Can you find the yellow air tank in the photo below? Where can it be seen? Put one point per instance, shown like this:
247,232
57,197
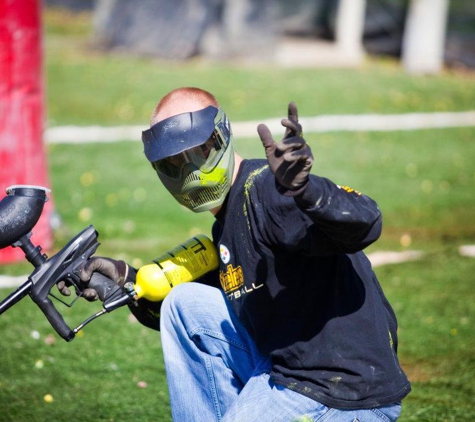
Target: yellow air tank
186,262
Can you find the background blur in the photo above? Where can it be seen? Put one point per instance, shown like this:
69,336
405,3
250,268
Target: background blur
261,29
107,63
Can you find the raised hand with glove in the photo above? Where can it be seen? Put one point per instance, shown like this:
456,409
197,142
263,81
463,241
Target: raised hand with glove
290,159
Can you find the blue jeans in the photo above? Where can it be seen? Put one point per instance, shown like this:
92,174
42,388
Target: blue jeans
215,372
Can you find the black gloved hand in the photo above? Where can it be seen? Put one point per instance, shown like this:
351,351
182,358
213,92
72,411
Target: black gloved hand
290,159
112,269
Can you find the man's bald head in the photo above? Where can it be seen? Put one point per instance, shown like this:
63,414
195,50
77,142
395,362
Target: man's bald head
182,100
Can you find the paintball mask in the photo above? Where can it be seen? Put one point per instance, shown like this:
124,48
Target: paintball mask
193,156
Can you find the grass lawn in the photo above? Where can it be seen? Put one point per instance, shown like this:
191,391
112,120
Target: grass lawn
423,181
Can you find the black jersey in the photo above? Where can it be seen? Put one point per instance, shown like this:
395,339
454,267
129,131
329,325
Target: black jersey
293,271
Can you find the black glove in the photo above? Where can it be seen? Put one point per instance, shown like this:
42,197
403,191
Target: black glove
118,271
290,159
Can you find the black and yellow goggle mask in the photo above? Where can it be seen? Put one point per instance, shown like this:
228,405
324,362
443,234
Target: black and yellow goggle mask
199,138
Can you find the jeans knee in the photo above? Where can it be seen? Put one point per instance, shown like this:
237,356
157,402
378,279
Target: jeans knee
183,294
184,301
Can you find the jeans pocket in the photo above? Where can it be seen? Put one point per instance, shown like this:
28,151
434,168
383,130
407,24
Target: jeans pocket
380,415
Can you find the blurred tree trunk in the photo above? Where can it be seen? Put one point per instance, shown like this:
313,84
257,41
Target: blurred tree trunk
350,28
424,37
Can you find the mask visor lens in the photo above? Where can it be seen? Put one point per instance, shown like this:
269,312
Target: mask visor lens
204,157
171,166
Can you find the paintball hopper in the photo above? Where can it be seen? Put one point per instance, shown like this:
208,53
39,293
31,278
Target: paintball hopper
20,210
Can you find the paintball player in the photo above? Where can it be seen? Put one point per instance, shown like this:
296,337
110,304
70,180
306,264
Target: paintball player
294,325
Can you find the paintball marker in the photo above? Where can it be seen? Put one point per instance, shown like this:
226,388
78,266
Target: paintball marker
20,210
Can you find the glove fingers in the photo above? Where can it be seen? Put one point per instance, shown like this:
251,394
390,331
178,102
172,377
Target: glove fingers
290,159
266,136
290,144
288,122
292,128
303,154
293,112
63,289
90,295
101,265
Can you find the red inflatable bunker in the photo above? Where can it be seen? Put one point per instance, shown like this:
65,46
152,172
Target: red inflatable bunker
22,156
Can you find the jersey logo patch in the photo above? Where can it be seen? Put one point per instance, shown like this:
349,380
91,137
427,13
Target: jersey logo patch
224,254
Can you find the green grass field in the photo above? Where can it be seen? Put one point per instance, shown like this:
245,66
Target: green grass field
423,181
